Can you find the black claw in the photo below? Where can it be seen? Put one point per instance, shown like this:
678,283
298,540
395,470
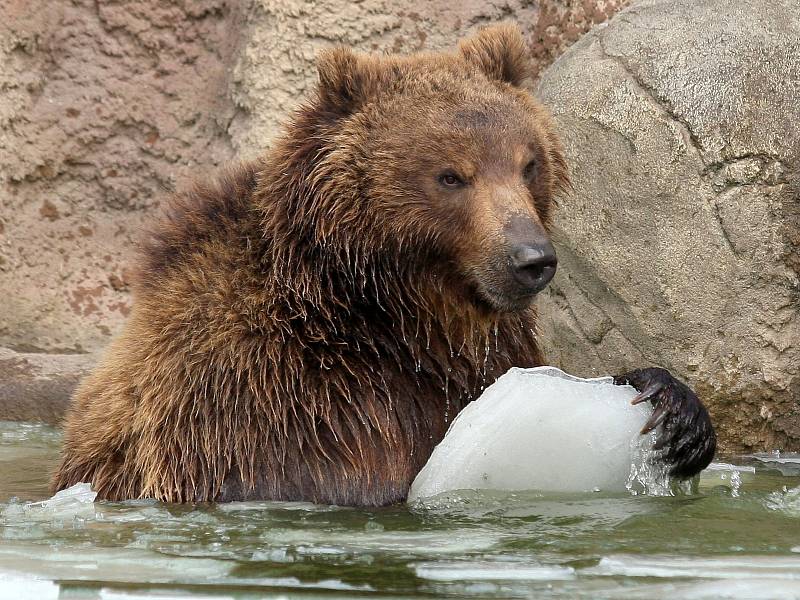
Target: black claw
659,414
650,391
686,440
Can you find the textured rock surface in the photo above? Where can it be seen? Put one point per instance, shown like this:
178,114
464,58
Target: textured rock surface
561,24
106,106
680,244
37,387
276,66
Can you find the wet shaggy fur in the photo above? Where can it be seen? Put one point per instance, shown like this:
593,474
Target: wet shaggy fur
306,326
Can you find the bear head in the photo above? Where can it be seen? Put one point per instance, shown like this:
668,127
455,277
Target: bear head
441,163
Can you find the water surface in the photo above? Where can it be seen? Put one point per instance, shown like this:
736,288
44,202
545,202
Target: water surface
739,540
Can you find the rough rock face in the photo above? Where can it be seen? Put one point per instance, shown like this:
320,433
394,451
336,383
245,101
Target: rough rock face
561,24
680,245
277,66
37,387
106,106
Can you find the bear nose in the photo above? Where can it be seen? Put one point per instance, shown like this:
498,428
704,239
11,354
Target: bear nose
533,265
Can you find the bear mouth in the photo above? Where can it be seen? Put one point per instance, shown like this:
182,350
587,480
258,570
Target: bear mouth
504,301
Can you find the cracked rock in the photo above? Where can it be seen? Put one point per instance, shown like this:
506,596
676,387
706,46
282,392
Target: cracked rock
681,123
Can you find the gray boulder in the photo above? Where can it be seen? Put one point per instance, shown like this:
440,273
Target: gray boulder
680,245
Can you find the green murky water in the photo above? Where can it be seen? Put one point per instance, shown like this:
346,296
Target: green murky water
719,543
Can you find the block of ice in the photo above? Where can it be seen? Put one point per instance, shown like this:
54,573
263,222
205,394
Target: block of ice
541,429
75,501
77,496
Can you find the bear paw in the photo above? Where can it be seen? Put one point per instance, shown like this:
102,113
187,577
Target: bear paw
687,440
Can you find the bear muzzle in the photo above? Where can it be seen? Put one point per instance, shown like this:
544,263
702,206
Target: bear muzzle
533,265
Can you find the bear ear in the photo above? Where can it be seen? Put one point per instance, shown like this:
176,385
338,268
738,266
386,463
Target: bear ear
500,52
345,80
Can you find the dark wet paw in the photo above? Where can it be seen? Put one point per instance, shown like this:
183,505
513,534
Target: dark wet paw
686,439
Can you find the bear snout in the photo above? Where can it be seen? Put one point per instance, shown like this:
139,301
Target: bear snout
533,265
530,256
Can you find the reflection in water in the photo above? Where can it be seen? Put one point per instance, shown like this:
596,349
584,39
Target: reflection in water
474,544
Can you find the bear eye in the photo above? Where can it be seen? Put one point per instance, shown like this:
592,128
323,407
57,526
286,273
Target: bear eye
450,179
529,172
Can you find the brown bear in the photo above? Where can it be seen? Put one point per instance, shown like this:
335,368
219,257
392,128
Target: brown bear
306,326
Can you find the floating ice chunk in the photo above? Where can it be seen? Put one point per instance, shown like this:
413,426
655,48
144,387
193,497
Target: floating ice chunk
788,463
77,496
786,500
21,587
728,567
75,501
491,570
541,429
737,589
